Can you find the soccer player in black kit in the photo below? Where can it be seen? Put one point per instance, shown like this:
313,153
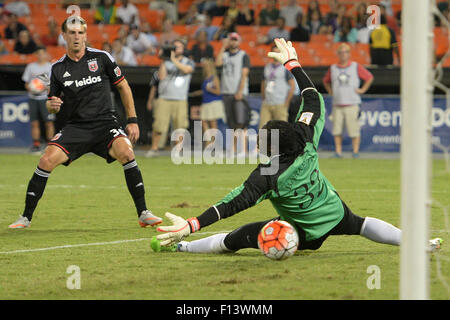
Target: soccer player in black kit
80,84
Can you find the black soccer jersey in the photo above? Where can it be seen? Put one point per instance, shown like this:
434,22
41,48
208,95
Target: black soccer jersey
85,85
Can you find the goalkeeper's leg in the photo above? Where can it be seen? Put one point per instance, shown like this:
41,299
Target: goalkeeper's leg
241,238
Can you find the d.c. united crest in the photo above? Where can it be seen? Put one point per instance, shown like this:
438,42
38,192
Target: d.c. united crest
93,66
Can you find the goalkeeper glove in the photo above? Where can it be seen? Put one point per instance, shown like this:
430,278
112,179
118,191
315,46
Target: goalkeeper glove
180,229
287,55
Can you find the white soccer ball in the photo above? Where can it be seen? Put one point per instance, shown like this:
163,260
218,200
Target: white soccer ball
37,86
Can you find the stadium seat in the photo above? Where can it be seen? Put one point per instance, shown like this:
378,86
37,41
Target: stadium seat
56,52
14,58
148,60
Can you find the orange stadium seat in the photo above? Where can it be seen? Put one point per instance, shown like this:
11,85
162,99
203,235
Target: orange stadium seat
56,52
14,58
148,60
153,17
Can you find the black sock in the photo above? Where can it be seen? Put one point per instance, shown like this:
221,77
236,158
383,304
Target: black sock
135,185
35,190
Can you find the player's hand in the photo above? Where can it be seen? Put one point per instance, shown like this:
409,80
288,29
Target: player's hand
133,132
179,229
54,104
287,51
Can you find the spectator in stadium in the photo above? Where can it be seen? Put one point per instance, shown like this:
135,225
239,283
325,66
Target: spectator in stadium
359,12
18,7
246,16
152,100
232,10
3,49
331,18
175,75
39,71
228,26
212,105
169,7
235,65
123,55
316,213
106,12
91,125
25,45
345,32
300,33
218,9
313,6
146,29
315,22
123,32
13,27
106,46
383,45
277,89
51,37
343,82
208,28
269,14
290,12
278,31
192,16
391,21
127,13
138,42
168,35
201,49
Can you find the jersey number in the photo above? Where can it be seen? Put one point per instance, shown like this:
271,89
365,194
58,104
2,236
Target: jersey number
313,179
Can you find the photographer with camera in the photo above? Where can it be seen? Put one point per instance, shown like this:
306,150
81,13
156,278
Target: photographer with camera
175,75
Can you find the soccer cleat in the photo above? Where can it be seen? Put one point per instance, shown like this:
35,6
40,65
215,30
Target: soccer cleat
148,219
337,155
156,246
435,244
21,223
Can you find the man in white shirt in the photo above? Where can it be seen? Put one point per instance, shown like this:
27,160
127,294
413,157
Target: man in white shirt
123,55
128,13
138,42
290,12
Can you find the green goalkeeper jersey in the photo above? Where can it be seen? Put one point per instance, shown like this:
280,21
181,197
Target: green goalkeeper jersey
299,192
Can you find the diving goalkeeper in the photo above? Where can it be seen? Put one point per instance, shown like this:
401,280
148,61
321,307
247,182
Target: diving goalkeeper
299,192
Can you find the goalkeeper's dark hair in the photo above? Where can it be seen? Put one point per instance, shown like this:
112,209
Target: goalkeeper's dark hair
289,142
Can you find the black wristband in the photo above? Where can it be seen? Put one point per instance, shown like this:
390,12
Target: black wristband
132,120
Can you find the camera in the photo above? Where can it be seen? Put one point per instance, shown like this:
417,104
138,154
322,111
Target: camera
166,51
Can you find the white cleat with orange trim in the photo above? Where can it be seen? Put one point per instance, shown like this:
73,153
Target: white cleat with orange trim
21,223
147,218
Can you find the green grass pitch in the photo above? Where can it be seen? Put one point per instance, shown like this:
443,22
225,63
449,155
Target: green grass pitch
88,204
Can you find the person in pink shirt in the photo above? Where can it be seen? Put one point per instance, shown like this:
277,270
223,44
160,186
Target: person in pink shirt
343,82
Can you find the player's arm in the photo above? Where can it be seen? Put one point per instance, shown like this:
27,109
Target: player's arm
185,68
54,101
126,95
252,191
311,113
244,77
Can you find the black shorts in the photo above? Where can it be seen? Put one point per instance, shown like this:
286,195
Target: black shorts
78,139
247,235
350,225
